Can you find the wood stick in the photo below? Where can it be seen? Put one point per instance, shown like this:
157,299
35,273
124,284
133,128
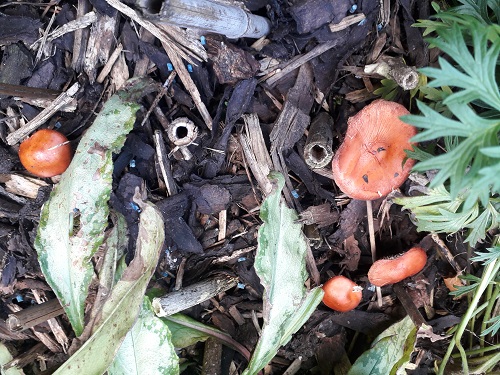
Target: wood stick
373,248
33,315
193,295
43,116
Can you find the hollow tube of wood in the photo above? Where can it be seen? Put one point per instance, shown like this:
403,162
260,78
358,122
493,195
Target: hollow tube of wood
207,16
34,315
193,294
318,148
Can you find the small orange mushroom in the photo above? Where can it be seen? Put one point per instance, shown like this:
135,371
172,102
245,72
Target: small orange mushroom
390,271
341,294
46,153
371,162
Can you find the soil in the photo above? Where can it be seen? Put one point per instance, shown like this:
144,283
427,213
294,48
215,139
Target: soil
212,191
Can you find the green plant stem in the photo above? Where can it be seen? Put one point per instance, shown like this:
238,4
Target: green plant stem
480,351
492,295
489,273
488,365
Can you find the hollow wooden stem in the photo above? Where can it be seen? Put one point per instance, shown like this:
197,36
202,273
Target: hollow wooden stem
373,248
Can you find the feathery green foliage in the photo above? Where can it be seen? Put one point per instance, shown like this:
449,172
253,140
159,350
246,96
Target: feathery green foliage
463,113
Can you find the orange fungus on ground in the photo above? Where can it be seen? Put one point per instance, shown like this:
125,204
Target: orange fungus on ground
390,271
371,162
341,294
46,153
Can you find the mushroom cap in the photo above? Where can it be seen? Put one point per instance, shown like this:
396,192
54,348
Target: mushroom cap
369,163
46,153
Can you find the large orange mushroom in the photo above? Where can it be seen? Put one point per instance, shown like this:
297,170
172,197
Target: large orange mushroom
371,162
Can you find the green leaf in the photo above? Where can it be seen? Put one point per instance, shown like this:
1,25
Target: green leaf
489,255
187,331
280,264
73,220
493,328
147,348
387,351
438,211
184,335
122,307
6,357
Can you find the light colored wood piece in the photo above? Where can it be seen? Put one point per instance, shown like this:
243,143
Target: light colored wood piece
62,100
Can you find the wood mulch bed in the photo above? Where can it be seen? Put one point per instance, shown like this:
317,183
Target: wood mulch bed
233,94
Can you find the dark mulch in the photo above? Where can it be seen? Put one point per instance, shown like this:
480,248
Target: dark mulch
214,185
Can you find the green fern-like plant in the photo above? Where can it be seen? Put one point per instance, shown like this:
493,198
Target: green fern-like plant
460,112
467,180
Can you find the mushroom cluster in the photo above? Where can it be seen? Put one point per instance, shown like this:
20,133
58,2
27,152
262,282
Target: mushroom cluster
371,162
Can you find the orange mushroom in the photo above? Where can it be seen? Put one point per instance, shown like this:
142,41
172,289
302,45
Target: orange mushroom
371,162
390,271
341,294
46,153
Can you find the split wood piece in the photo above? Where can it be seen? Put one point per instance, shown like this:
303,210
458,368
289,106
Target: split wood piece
143,63
283,69
222,225
394,68
318,148
81,37
35,96
294,366
20,91
55,326
236,315
161,93
43,41
224,18
101,42
408,305
81,22
212,357
188,82
33,315
311,265
346,22
373,247
13,197
109,64
44,337
443,249
22,185
119,74
186,47
192,295
25,358
62,100
165,165
255,151
234,255
290,126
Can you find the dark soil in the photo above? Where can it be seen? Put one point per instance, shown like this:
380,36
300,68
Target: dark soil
214,188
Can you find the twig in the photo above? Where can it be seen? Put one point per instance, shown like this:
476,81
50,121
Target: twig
192,295
80,23
164,164
33,315
346,22
373,249
222,225
109,64
43,116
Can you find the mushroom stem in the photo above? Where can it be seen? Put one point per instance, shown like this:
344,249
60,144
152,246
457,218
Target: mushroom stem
373,248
